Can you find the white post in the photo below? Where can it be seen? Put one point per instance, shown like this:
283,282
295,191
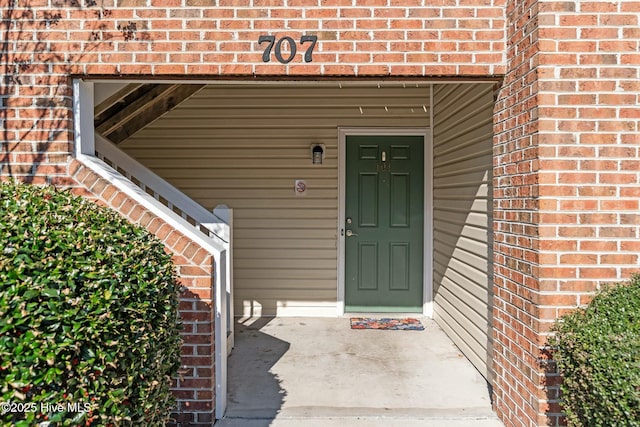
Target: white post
224,329
220,333
225,214
83,118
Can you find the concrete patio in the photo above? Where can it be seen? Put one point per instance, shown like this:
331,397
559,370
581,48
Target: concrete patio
308,372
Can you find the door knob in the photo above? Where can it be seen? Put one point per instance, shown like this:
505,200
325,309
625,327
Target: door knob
350,233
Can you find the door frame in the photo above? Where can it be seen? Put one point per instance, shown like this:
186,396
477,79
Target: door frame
427,275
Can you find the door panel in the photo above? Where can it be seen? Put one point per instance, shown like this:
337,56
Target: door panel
368,199
399,206
399,266
384,229
368,266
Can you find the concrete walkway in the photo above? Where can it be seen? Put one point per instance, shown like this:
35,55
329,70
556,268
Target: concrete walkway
310,372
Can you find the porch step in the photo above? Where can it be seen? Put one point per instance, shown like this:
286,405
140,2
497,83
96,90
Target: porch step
362,417
368,421
344,412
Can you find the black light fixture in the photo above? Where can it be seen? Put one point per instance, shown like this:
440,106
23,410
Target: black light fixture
317,153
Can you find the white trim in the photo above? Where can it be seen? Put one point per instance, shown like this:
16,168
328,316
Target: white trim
83,128
342,191
296,81
220,343
427,285
172,194
213,246
225,214
428,306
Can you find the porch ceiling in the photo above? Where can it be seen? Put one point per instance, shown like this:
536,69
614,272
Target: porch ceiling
136,105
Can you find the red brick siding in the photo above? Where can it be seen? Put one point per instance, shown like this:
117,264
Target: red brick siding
179,37
589,144
566,183
516,260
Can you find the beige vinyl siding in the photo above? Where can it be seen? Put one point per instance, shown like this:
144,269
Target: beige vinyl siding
462,135
243,145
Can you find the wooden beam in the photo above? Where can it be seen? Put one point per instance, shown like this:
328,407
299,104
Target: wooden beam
131,109
115,98
152,110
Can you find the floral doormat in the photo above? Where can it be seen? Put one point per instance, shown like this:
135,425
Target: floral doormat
407,324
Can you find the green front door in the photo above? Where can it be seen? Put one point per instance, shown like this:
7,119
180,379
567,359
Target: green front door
384,223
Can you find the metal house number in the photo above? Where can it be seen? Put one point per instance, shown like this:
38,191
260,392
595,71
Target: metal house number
266,55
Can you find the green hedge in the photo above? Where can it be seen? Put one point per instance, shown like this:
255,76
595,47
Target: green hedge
89,332
598,353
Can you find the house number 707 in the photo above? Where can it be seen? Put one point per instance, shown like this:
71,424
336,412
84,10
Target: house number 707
266,56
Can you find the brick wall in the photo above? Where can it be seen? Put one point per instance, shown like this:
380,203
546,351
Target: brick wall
516,243
219,37
589,142
196,385
567,183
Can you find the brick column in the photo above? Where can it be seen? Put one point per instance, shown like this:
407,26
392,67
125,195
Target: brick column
516,240
589,90
566,183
